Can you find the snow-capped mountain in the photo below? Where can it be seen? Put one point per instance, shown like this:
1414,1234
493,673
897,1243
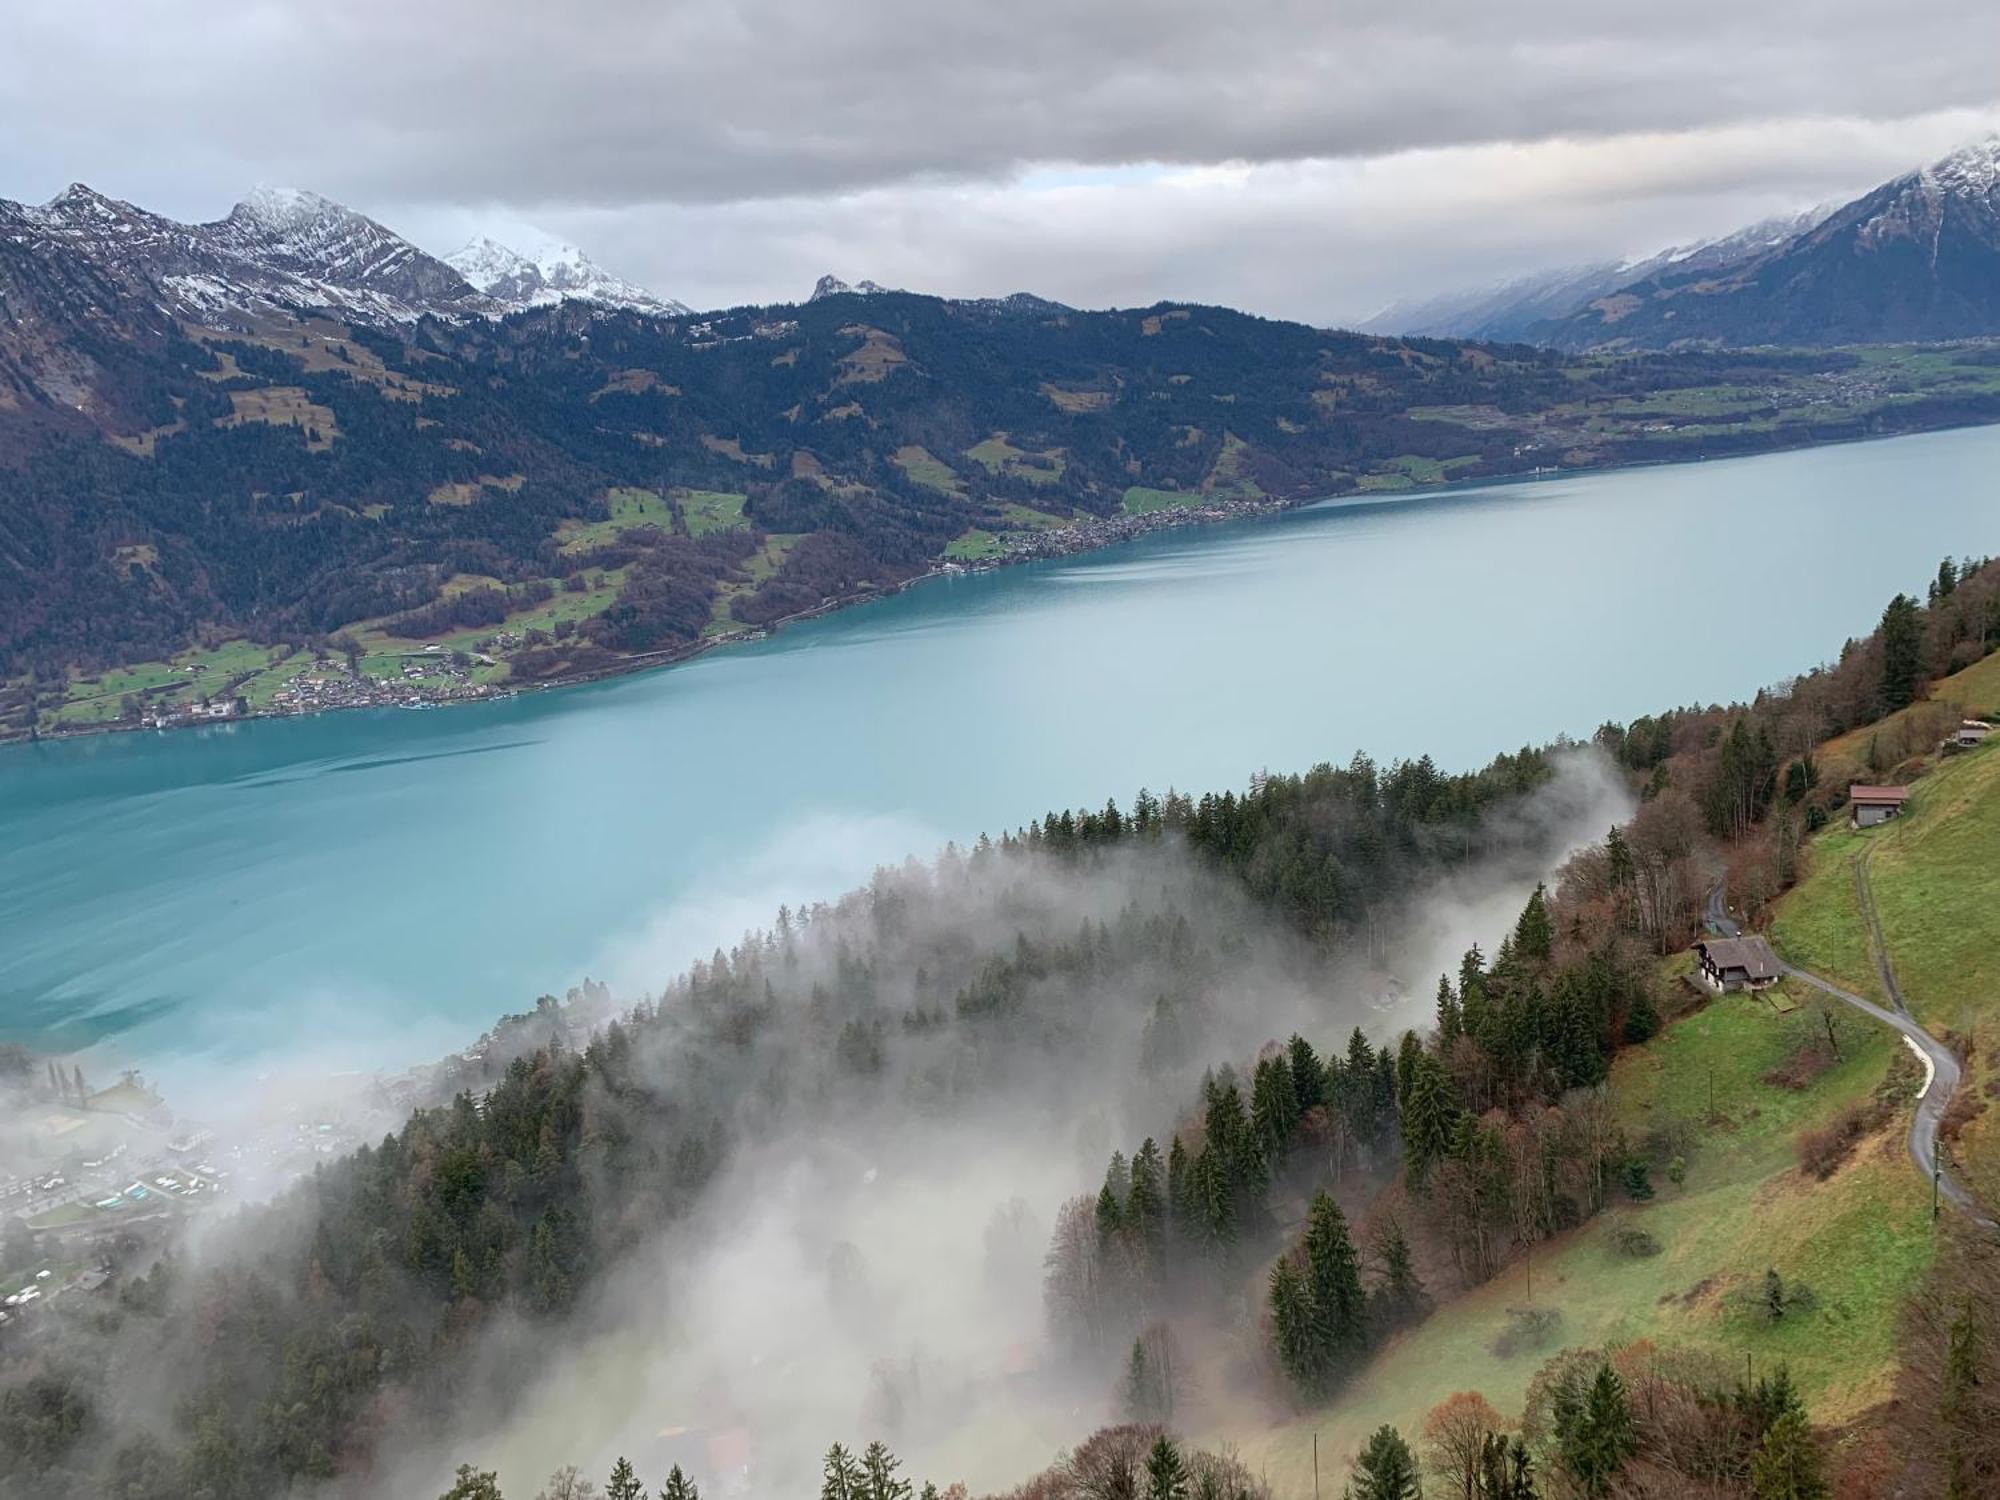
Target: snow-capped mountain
284,248
1516,310
277,248
1916,259
561,274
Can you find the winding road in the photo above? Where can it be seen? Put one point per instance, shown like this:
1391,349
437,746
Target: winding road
1941,1069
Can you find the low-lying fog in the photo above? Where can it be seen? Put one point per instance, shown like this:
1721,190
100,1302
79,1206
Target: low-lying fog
868,1260
870,1264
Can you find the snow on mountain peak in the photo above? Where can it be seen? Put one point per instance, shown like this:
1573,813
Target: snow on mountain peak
1973,167
484,262
81,206
277,209
556,273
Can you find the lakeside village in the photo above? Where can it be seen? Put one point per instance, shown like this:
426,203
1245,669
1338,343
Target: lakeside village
1087,533
96,1179
425,678
435,675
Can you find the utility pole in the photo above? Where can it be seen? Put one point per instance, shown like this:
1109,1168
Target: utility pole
1531,1275
1937,1176
1315,1463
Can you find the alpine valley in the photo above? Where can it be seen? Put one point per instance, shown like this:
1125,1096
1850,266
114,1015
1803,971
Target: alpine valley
274,462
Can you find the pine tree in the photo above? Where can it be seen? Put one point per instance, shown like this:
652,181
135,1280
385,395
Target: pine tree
1386,1469
843,1478
1166,1475
1357,1099
1274,1107
1110,1212
1450,1014
1620,868
1594,1432
1309,1082
878,1474
1429,1117
1902,653
1400,1293
1787,1466
1535,934
1409,1057
1146,1204
1215,1199
1505,1470
1385,1097
1471,970
1241,1174
1182,1206
678,1486
1333,1285
1291,1325
623,1483
1642,1019
1638,1180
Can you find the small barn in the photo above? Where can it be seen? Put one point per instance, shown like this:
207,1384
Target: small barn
1871,805
1971,732
1741,963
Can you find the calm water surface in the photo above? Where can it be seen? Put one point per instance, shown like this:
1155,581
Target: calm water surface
381,884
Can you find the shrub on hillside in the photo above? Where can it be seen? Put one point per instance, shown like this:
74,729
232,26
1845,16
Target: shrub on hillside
1528,1330
1634,1243
1825,1149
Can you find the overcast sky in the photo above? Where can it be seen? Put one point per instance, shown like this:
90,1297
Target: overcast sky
1304,158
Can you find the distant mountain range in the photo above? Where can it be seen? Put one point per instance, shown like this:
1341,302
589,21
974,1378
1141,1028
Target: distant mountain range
1517,311
279,248
1917,259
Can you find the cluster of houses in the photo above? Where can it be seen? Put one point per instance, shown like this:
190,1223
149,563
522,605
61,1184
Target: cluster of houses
1729,964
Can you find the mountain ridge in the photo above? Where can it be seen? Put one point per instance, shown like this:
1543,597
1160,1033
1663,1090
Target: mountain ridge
1513,310
1916,259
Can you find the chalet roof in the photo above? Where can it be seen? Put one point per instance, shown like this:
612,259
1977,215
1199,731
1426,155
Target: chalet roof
1750,954
1892,795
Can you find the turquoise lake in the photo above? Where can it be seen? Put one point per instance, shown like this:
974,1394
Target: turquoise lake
379,885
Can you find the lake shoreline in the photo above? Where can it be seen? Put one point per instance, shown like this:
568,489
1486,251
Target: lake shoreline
1050,545
1126,528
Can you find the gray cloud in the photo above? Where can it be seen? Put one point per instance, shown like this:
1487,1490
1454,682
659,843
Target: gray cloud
728,148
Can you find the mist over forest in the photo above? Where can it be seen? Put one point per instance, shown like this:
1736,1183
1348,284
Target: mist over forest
805,1190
